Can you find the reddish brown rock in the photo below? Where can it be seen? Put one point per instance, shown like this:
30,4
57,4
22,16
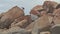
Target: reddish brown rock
15,12
30,27
41,24
35,9
45,18
58,6
56,16
23,21
50,6
46,32
19,24
27,17
10,16
35,12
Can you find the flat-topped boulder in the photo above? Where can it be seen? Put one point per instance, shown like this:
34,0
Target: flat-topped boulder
10,16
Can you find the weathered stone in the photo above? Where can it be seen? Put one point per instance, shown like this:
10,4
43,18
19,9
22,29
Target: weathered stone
46,32
56,18
50,6
16,30
10,16
58,6
35,9
1,15
35,12
33,26
30,27
23,21
27,17
56,29
41,24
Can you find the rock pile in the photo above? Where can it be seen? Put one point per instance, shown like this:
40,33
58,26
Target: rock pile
43,19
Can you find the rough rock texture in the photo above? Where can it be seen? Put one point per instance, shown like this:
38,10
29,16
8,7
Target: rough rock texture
35,9
35,12
41,24
16,30
27,17
58,6
9,16
30,27
56,29
50,6
56,16
24,21
21,23
43,19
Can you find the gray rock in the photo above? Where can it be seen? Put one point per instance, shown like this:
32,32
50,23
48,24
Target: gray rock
56,29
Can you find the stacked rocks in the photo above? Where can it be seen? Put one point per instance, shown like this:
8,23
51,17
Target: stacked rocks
43,19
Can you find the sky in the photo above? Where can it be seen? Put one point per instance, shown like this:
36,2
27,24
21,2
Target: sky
5,5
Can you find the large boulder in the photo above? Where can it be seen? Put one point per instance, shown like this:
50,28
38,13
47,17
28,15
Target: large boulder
50,6
10,16
20,24
41,24
56,18
47,18
23,21
35,12
55,29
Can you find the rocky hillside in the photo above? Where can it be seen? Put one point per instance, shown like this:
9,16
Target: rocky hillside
43,19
